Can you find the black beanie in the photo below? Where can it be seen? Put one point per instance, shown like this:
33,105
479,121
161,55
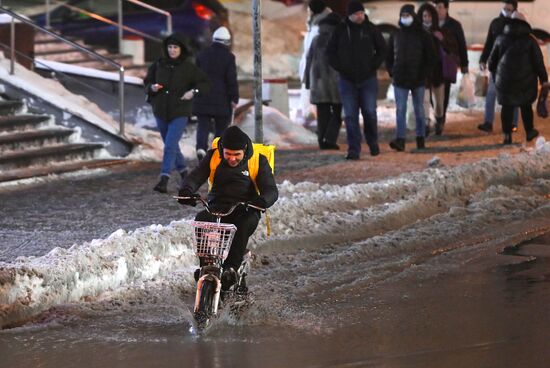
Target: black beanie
354,6
408,8
234,138
317,6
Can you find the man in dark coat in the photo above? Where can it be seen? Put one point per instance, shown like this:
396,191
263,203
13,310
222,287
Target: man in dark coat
356,50
454,26
172,82
409,63
495,29
218,62
516,64
322,81
232,184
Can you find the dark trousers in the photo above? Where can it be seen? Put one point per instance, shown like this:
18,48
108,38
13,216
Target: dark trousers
446,99
507,117
246,222
329,122
204,127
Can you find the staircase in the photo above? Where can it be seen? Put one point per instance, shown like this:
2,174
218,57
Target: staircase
33,145
49,48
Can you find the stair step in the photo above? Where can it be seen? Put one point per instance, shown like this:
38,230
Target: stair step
22,140
69,54
25,173
10,107
23,122
44,155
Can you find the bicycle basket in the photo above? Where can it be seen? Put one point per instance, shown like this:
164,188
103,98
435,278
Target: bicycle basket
213,239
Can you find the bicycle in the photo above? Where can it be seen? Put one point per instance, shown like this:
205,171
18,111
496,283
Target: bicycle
212,243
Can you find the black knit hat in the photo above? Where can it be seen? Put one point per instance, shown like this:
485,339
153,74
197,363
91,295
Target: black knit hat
234,138
354,6
317,6
408,8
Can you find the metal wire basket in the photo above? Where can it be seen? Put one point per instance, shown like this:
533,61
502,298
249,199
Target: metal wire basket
213,239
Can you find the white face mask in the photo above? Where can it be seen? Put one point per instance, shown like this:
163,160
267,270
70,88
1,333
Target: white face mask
407,21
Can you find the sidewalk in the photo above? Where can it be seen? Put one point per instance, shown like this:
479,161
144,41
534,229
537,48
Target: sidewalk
76,209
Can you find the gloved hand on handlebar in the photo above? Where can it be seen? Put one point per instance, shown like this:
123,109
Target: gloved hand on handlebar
258,202
187,193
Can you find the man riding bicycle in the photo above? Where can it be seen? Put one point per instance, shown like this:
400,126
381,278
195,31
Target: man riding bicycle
235,174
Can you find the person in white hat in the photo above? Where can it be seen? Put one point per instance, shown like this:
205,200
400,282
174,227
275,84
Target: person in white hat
216,106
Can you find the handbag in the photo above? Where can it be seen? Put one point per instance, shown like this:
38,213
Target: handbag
542,103
481,84
466,97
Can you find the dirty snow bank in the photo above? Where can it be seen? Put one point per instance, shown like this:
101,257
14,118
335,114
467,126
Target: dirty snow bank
307,214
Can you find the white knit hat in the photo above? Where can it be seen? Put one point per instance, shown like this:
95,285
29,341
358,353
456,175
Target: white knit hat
222,35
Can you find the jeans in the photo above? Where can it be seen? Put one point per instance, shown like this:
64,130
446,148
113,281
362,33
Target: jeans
401,96
204,126
490,101
171,132
355,97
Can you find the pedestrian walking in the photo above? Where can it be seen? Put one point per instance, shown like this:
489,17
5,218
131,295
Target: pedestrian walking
495,29
356,50
409,63
516,64
171,83
455,27
317,9
216,107
444,43
322,81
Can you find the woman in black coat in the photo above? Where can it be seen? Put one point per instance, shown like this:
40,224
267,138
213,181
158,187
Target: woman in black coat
171,83
517,65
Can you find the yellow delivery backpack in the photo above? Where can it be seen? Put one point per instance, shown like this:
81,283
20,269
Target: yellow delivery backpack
268,150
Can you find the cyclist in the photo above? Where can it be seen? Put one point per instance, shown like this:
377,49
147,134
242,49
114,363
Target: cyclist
235,174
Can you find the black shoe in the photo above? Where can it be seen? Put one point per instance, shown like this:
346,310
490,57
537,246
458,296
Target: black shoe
398,144
351,156
162,185
486,127
439,124
374,150
507,139
532,134
200,154
197,274
420,143
229,278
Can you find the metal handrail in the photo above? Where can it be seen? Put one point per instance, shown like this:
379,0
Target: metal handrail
74,45
118,24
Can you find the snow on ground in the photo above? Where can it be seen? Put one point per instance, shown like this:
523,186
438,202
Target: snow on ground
459,200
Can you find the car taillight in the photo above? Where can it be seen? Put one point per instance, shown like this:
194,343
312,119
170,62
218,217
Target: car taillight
202,11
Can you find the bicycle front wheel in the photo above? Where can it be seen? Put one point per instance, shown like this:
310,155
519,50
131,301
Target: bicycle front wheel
206,303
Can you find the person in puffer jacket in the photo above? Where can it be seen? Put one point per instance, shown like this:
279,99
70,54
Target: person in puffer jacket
409,62
517,65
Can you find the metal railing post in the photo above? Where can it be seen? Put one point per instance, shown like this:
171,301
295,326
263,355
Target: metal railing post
121,100
48,26
12,46
120,30
169,23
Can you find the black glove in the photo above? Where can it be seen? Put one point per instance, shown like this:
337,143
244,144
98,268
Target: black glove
192,201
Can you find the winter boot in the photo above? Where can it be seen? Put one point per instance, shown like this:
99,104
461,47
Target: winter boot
439,124
374,150
532,134
162,185
507,139
200,154
398,144
229,277
420,143
486,127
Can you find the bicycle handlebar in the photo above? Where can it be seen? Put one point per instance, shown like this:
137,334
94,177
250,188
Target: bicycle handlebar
222,214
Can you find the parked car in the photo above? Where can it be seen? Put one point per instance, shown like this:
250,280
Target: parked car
195,19
475,16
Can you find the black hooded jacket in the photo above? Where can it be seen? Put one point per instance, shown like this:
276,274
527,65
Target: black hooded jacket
517,64
495,29
233,184
410,56
356,51
177,76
